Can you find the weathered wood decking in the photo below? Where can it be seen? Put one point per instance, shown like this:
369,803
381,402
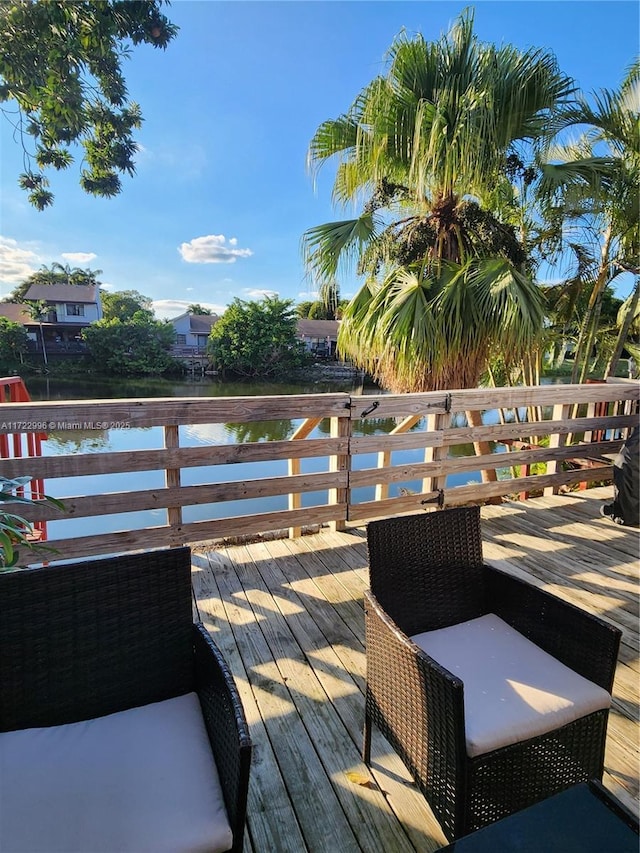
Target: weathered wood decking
288,616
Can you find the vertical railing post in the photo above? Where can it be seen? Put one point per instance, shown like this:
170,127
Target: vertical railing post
433,453
561,412
482,448
341,428
295,498
591,413
172,475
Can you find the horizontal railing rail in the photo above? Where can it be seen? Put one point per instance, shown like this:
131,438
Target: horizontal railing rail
146,473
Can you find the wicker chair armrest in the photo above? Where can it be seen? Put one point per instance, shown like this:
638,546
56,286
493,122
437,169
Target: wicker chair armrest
402,643
583,642
226,726
419,707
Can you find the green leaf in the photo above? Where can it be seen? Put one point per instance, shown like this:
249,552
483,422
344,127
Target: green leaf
326,246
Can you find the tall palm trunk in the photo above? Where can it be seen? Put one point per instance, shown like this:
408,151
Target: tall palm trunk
624,331
592,315
482,448
44,349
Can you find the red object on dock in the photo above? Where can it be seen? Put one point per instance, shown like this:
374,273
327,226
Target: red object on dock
12,446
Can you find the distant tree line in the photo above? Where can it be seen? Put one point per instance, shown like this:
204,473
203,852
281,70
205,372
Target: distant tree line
127,341
252,339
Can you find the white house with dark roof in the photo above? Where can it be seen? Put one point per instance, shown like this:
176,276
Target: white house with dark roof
71,307
319,336
192,332
69,304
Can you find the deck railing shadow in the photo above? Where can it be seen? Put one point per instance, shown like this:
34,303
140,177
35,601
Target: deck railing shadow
305,599
303,692
583,562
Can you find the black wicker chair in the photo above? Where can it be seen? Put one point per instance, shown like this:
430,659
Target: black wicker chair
94,638
426,573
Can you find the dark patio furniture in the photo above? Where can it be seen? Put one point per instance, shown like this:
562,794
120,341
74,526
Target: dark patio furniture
479,754
106,652
585,818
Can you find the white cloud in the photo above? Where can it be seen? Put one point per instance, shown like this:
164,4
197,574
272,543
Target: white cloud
79,257
213,249
167,309
256,293
16,262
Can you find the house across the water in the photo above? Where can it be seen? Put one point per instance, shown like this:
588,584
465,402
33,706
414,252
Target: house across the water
70,308
319,336
192,332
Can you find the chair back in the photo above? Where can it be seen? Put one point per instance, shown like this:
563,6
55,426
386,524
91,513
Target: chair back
426,569
90,638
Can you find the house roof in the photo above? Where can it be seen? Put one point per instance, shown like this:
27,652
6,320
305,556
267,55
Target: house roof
16,312
318,329
64,292
201,324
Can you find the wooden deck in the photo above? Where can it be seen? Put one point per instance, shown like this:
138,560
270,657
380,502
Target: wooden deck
288,616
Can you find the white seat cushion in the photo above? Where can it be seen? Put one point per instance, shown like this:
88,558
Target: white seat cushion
140,780
513,690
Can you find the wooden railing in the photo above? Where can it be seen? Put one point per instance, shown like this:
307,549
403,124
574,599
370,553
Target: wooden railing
352,458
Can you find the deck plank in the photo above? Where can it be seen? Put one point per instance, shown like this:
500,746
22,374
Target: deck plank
316,678
277,828
390,774
269,655
288,616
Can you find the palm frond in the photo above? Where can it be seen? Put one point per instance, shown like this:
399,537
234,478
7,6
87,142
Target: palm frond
348,184
326,246
509,304
334,136
579,178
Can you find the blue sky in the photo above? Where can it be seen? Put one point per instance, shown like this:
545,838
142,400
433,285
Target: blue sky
222,195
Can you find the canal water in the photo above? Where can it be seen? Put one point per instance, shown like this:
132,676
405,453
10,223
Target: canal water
68,442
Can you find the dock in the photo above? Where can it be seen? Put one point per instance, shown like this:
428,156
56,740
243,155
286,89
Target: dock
288,615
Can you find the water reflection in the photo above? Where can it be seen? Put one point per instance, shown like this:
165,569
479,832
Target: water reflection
193,434
260,431
78,441
364,426
47,388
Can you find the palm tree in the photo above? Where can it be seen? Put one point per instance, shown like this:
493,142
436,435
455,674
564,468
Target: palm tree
55,274
66,274
628,323
200,310
594,183
38,310
427,146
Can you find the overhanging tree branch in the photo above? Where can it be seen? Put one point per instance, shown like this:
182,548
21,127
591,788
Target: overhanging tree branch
61,66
